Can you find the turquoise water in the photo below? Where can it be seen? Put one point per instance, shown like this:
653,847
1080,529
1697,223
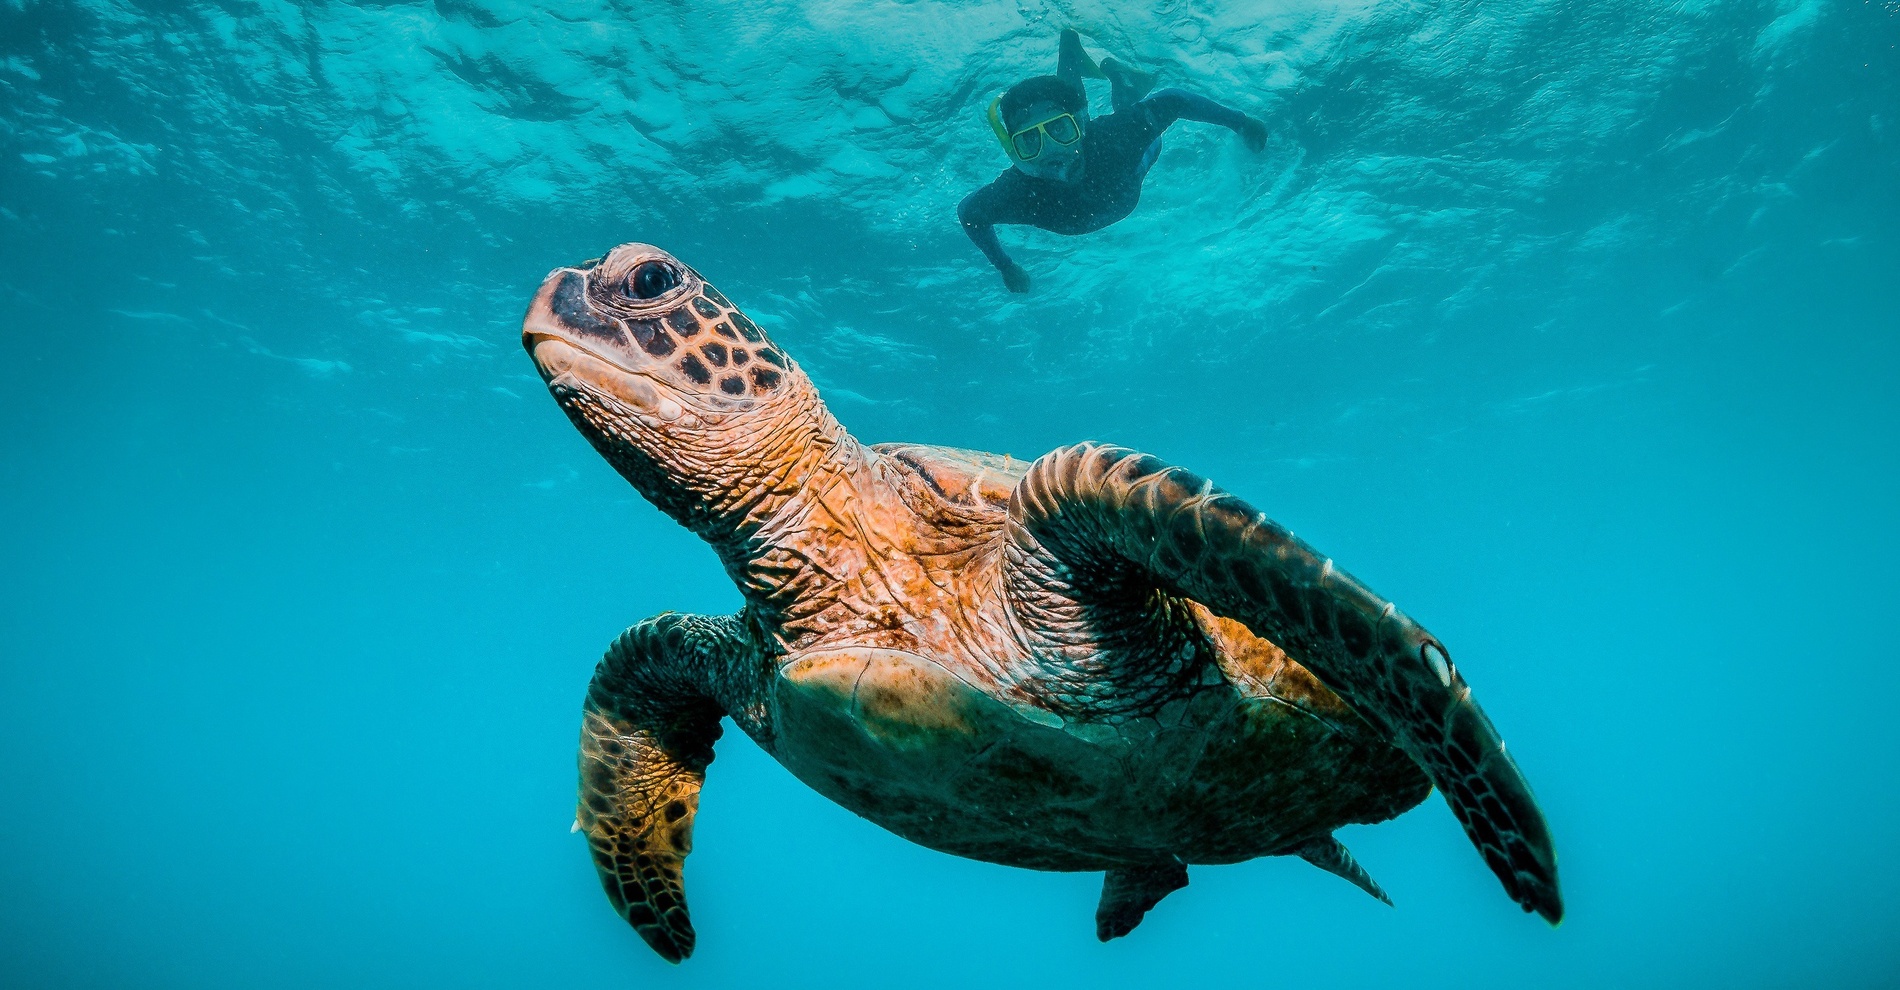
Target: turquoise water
1570,327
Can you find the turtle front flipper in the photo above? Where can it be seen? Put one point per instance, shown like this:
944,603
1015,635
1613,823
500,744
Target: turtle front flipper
646,738
1095,516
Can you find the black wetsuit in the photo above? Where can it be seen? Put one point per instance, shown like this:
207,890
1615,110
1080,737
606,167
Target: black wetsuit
1117,152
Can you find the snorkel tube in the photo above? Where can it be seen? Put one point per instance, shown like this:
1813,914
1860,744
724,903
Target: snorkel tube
995,115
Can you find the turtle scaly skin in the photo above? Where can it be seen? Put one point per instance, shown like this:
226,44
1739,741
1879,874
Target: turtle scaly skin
1093,662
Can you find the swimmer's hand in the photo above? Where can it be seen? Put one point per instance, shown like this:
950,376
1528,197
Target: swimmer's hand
1016,278
1254,133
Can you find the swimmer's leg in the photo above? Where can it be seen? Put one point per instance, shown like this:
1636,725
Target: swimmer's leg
1126,84
1072,63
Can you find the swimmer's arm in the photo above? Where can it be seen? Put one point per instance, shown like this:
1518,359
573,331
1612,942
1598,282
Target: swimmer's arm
1170,105
981,226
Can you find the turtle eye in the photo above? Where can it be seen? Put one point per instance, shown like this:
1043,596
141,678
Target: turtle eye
650,280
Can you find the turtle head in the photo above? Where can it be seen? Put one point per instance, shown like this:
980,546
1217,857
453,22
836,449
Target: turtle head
682,393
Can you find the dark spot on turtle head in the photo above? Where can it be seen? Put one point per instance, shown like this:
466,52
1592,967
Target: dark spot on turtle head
731,385
570,304
739,356
651,337
695,369
680,838
715,352
714,295
675,810
770,356
725,331
705,308
747,327
765,378
682,323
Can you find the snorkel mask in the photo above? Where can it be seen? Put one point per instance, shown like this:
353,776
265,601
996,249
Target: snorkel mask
1026,144
1052,114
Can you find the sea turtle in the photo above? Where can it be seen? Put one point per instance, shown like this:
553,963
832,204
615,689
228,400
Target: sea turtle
1094,661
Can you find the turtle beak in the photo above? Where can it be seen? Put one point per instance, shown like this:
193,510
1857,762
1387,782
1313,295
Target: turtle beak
561,314
540,324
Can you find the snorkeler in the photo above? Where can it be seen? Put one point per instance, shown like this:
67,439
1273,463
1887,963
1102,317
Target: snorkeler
1068,175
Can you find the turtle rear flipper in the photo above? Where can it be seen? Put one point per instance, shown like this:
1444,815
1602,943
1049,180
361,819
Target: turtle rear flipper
647,735
1104,519
1331,855
1129,892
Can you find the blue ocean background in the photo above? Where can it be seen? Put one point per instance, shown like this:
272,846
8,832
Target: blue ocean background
1570,327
